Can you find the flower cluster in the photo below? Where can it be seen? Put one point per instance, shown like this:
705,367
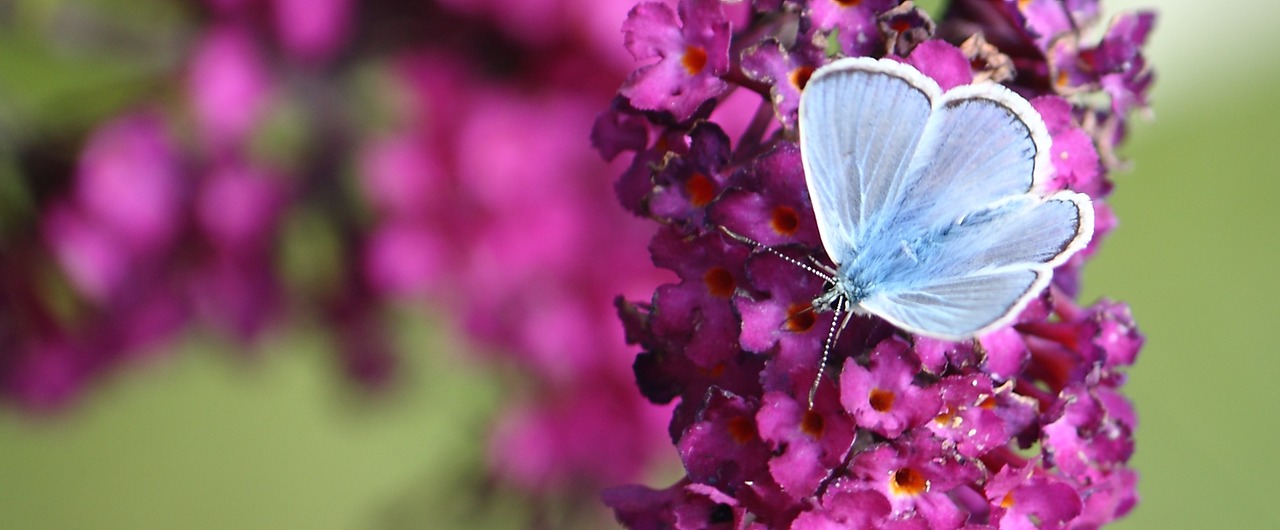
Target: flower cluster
1023,427
487,196
171,218
321,161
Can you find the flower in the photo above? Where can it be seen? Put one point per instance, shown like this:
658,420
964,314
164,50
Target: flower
313,30
692,53
881,397
228,85
853,23
1025,426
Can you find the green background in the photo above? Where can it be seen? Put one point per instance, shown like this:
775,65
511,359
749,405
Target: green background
203,439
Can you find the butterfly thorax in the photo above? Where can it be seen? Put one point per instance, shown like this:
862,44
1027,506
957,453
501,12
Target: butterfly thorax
877,268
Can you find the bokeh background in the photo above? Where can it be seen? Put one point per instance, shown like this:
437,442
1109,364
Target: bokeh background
280,439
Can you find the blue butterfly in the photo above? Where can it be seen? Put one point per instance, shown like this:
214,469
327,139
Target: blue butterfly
930,203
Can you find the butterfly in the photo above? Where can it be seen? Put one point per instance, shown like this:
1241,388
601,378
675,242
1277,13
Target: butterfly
930,203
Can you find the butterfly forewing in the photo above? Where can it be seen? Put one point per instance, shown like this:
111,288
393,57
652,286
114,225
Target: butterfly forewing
859,126
982,144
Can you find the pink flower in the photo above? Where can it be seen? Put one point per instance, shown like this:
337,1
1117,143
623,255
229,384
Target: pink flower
228,85
313,30
692,53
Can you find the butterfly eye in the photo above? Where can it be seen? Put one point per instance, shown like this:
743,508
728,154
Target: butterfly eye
830,300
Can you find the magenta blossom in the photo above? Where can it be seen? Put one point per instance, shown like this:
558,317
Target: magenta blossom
692,53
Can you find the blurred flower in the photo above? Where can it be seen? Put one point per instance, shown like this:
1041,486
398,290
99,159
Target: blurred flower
495,206
126,210
1024,427
313,30
475,190
228,85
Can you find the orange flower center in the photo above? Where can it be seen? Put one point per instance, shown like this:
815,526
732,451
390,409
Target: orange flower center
800,76
946,416
907,481
784,222
742,429
719,282
800,317
695,59
882,400
812,424
701,189
1007,501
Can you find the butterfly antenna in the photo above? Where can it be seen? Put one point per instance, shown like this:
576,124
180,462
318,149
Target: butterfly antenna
812,270
836,327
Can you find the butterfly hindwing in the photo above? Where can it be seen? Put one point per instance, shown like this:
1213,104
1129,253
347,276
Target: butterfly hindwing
1023,232
955,308
982,270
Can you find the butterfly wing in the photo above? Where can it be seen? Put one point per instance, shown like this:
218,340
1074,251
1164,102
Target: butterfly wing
978,274
983,144
860,122
955,308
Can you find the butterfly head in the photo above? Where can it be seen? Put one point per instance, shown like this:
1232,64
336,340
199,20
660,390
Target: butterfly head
839,294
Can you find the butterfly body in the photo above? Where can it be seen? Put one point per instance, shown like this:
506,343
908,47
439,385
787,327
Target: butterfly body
929,203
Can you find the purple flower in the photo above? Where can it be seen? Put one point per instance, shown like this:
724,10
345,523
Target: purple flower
847,508
92,258
685,185
767,202
945,63
1043,37
126,209
692,53
1022,427
540,446
228,85
238,207
1029,498
683,506
853,22
785,71
978,417
405,258
45,374
881,396
917,477
403,180
313,30
807,443
696,315
130,180
1116,64
238,210
485,197
904,27
238,293
1075,159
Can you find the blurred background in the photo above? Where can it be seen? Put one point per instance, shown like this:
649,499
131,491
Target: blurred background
360,352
